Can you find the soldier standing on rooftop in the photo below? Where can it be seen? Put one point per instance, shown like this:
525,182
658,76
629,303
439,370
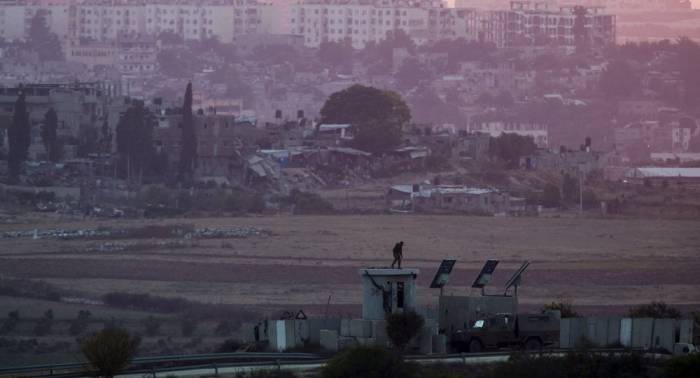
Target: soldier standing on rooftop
398,254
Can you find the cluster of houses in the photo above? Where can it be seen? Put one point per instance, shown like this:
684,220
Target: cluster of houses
451,199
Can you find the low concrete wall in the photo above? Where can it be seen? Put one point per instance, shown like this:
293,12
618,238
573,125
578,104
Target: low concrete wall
646,333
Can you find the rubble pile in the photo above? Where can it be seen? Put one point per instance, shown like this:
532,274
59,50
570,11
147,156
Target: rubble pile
227,233
56,233
134,246
176,231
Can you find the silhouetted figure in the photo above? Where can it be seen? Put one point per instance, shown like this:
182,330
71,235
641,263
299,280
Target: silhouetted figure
398,254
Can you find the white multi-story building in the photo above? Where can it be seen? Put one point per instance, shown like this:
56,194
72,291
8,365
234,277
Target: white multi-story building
104,20
362,22
16,17
524,23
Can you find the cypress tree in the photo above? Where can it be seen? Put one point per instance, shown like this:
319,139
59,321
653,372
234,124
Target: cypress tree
19,136
49,135
188,142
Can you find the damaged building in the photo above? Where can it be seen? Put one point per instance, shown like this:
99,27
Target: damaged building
448,199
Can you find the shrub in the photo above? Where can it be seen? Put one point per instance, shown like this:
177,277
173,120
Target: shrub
145,302
151,303
681,367
44,325
402,328
368,363
564,307
110,351
78,325
656,310
17,287
229,346
582,364
10,323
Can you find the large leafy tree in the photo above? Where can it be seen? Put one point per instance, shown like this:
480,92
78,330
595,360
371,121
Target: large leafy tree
188,152
135,139
110,350
19,136
49,135
377,116
41,40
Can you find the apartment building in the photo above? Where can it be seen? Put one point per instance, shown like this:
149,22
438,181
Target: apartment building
16,17
523,23
531,23
104,20
363,22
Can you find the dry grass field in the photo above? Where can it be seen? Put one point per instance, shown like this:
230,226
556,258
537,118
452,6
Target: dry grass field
602,265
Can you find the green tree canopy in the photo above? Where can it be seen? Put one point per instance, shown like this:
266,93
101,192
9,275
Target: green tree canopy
377,116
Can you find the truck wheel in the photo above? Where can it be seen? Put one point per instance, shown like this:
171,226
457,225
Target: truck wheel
533,344
475,346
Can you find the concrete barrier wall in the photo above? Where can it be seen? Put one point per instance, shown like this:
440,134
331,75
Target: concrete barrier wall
646,333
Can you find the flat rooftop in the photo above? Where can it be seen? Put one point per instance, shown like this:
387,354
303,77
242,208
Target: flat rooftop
389,272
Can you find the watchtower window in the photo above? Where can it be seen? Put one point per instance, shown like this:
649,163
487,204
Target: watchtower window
399,294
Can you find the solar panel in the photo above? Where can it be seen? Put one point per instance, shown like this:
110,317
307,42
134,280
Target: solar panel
442,276
485,275
516,277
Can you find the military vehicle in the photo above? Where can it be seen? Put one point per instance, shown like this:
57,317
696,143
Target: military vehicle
476,323
528,331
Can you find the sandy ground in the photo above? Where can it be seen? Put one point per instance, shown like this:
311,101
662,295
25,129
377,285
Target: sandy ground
599,264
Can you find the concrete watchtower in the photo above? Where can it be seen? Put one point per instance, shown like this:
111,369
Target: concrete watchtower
387,291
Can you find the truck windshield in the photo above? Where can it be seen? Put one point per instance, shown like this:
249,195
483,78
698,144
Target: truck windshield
478,324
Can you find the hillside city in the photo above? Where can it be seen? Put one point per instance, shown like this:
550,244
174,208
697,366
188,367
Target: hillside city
214,186
583,123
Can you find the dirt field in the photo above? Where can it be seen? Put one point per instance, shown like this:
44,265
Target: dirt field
602,265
